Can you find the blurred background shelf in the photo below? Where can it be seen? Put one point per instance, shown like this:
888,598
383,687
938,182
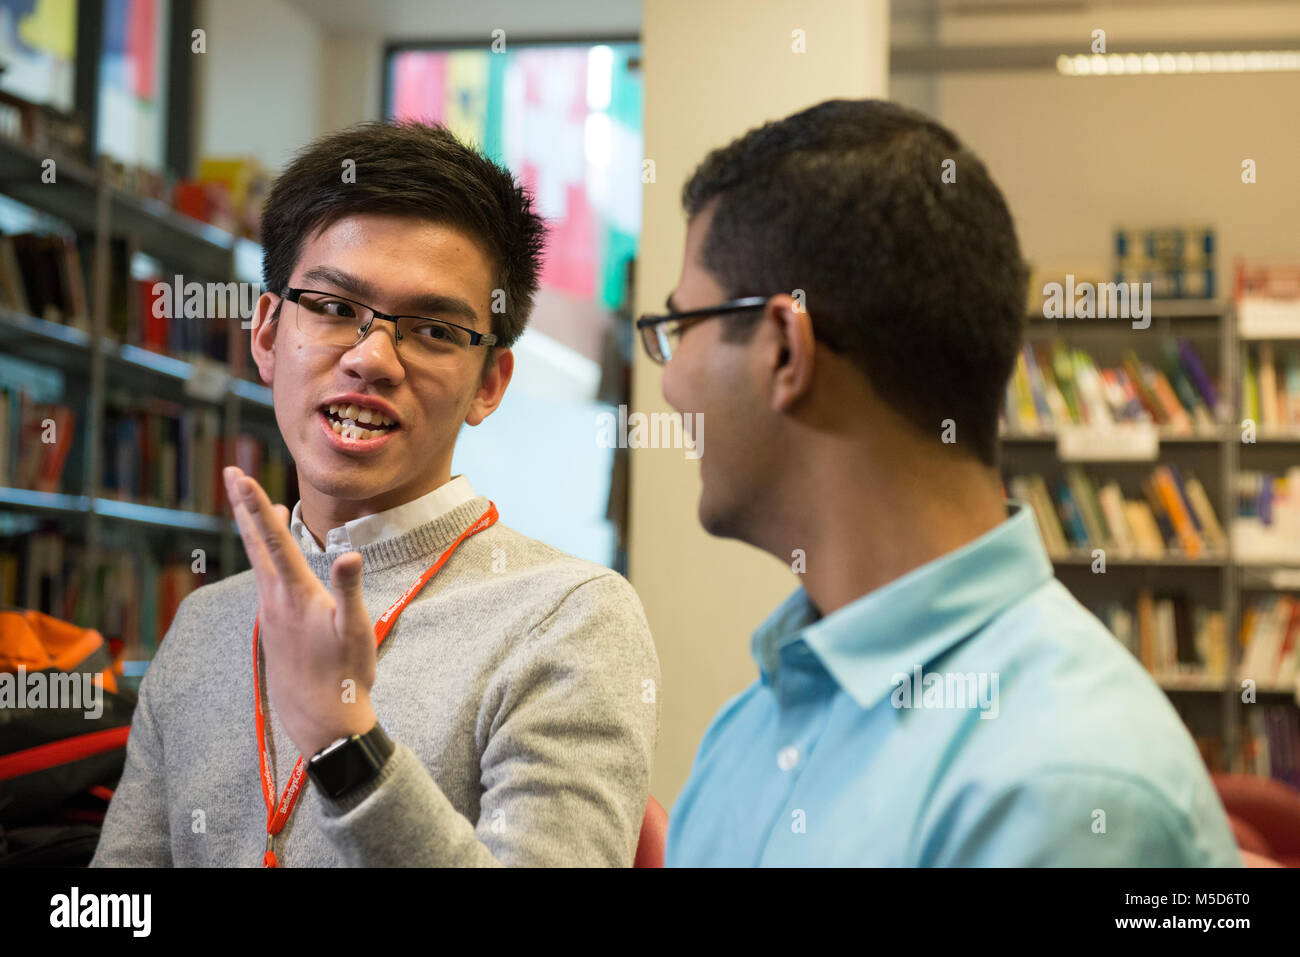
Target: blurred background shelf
115,509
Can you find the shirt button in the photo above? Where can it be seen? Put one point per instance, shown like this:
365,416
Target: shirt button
788,758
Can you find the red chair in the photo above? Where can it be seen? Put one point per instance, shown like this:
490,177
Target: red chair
654,833
1265,815
1248,837
1258,860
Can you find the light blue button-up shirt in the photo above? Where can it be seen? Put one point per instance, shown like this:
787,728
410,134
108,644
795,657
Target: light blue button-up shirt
970,712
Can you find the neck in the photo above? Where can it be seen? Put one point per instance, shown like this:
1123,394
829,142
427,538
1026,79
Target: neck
863,524
321,512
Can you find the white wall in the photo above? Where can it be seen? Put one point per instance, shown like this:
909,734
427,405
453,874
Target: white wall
1078,156
259,85
712,71
352,81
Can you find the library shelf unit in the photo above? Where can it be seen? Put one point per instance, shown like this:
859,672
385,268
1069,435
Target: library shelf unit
1216,454
84,202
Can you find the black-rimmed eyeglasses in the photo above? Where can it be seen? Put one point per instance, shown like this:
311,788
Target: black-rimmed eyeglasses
334,320
660,333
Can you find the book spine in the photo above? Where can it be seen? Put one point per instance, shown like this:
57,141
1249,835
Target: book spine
1173,503
1196,372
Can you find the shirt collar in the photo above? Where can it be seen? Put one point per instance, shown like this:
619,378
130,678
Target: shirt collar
386,524
914,618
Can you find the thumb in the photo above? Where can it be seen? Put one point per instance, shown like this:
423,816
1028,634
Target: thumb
345,582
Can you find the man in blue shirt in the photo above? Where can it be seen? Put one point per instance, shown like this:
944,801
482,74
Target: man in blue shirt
849,309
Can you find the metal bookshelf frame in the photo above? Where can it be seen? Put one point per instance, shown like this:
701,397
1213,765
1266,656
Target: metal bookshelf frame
89,204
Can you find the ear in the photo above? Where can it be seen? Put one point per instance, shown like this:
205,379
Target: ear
262,341
492,385
790,351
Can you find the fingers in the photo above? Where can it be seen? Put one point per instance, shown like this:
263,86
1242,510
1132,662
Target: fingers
263,528
345,582
253,546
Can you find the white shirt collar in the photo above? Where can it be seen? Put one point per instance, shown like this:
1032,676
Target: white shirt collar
386,524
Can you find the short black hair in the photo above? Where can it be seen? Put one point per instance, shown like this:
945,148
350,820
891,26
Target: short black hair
415,169
919,281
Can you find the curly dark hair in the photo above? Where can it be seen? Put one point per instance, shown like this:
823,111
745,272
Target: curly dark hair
919,281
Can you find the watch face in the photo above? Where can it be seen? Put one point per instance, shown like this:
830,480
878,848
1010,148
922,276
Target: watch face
329,748
349,762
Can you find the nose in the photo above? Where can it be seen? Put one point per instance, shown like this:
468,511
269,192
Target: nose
668,382
375,357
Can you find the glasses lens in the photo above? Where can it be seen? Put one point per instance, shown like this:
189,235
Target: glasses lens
654,344
433,338
329,320
333,321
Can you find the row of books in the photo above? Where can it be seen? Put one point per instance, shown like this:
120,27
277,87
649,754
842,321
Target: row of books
46,275
1170,634
1058,385
160,453
135,316
1266,526
153,452
1173,516
35,440
1271,747
228,192
1270,386
129,596
1270,639
43,275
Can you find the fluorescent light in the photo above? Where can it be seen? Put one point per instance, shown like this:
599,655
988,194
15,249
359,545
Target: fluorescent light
1127,64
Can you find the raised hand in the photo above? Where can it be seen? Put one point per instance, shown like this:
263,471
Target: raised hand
318,643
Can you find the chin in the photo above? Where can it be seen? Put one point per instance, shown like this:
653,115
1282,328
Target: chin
719,521
348,484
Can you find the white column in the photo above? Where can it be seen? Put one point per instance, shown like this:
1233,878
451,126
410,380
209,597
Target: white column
714,69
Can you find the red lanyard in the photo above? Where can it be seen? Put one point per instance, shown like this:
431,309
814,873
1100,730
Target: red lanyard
277,815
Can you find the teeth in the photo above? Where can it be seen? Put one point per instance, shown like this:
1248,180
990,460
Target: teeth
360,414
350,430
352,417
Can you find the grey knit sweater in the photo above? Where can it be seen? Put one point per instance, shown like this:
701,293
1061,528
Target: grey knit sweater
521,687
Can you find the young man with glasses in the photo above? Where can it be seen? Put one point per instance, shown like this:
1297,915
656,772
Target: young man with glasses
458,694
846,319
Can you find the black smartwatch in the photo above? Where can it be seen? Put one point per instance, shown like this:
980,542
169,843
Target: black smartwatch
350,762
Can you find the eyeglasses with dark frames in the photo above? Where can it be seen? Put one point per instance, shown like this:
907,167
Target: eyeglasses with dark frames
337,320
659,337
660,333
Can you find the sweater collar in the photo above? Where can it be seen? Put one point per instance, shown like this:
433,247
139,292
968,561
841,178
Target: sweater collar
425,542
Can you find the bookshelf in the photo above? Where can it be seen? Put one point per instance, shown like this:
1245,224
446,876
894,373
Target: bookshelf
95,366
1221,579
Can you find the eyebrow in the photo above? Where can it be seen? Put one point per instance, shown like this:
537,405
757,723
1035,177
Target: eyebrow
436,303
669,303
